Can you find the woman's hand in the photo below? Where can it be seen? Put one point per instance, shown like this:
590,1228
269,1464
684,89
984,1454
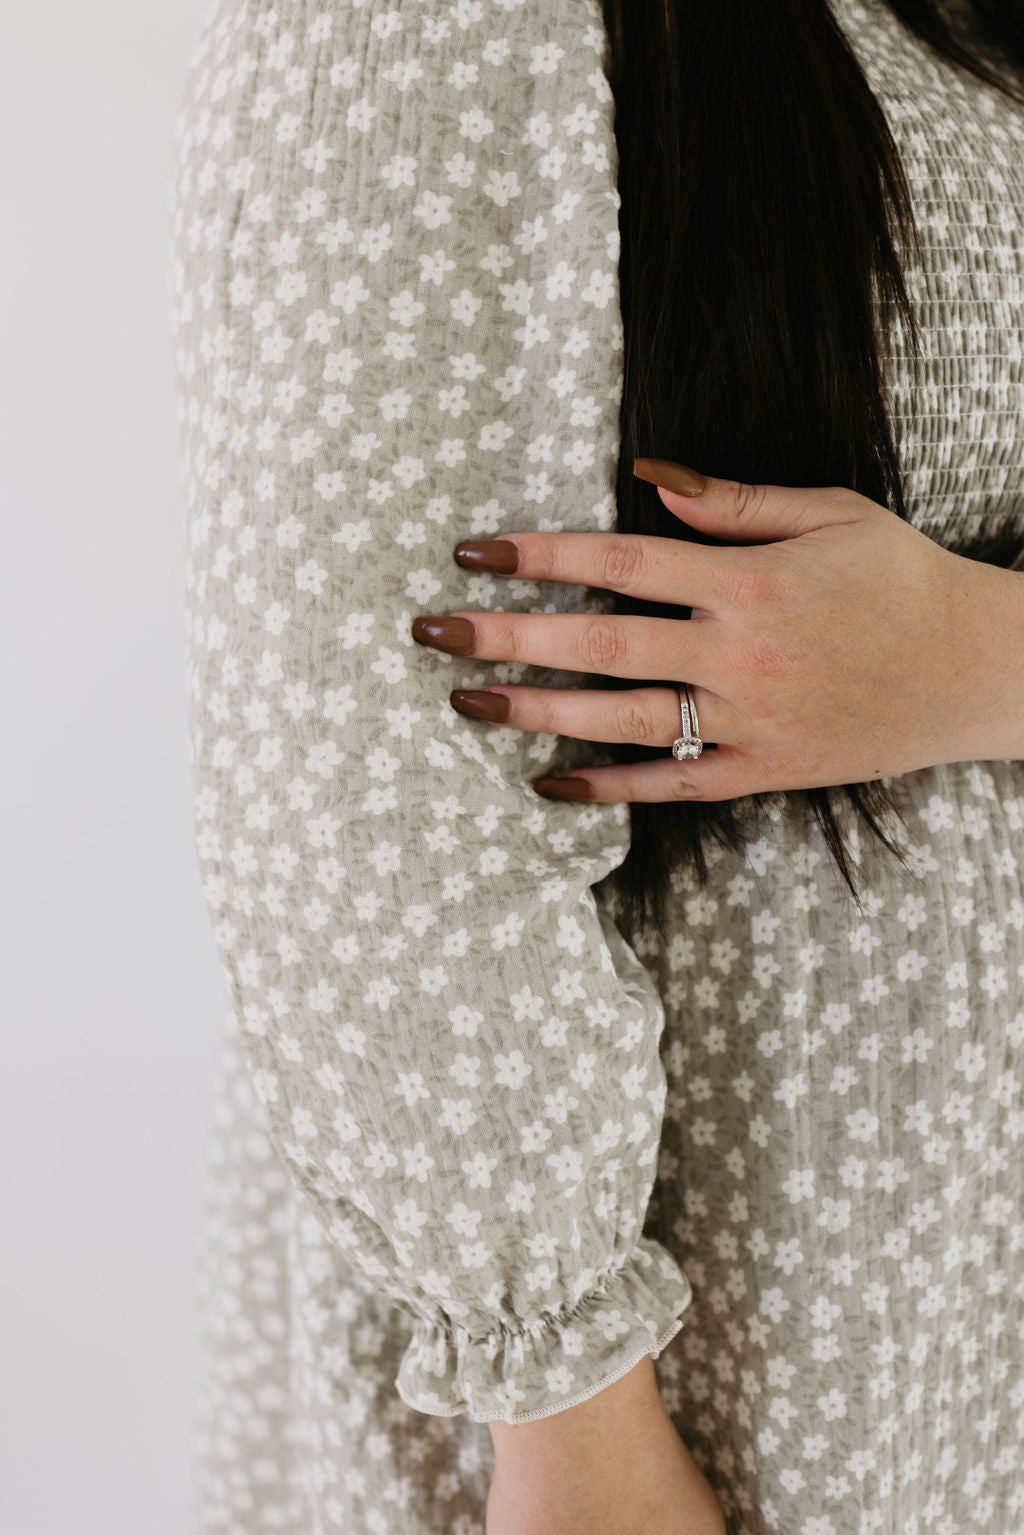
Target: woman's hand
830,643
612,1465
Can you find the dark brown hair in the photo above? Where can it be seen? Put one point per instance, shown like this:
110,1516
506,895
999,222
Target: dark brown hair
765,218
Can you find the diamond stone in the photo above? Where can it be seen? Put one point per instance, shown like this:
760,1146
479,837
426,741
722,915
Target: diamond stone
686,747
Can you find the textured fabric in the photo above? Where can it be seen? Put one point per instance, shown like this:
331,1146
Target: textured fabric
479,1147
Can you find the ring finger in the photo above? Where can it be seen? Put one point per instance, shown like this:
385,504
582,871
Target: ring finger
647,716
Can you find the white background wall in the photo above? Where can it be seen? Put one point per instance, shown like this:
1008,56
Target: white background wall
112,996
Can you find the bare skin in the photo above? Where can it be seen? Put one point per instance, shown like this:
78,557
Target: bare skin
821,608
614,1464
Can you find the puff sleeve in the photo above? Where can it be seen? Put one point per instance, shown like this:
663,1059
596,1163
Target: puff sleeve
394,280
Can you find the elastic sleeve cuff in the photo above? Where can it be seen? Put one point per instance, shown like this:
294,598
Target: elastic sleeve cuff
551,1363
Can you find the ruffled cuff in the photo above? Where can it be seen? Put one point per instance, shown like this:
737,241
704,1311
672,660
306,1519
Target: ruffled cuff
553,1362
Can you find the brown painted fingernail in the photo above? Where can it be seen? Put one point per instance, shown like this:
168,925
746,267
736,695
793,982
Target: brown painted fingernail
564,788
456,635
661,471
494,554
479,704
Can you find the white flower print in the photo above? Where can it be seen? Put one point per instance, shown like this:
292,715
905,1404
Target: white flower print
454,1072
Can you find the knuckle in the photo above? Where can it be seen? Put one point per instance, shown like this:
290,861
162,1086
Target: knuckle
514,640
622,565
762,658
783,589
747,500
603,645
538,554
747,583
773,768
760,583
545,713
683,786
633,723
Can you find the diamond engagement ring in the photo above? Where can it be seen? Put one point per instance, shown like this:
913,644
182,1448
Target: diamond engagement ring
689,744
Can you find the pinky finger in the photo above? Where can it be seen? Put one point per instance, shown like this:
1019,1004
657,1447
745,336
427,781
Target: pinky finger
726,773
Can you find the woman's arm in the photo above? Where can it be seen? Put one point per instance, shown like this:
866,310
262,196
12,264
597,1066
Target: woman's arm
395,284
615,1464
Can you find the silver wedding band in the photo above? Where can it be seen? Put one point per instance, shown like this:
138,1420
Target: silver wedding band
689,744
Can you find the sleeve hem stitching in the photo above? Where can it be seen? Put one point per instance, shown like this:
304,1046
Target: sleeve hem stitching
559,1317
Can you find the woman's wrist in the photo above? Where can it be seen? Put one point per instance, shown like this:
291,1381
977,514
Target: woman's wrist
624,1407
612,1463
988,664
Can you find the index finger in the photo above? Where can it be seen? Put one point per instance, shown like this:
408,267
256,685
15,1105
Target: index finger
656,569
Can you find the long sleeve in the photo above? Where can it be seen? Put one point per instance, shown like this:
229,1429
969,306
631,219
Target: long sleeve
396,325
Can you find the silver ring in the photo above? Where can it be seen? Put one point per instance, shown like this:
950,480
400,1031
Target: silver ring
689,744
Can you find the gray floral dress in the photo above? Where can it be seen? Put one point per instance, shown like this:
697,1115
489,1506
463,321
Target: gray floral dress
478,1146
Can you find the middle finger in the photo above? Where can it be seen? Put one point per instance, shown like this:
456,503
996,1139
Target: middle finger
612,645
